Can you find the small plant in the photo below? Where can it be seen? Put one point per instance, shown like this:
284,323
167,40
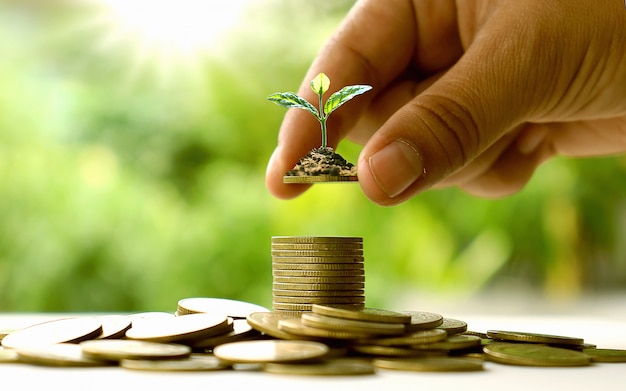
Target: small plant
320,85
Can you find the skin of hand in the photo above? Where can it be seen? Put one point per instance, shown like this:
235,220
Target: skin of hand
468,93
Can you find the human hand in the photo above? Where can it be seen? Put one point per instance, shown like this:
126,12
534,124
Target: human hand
471,93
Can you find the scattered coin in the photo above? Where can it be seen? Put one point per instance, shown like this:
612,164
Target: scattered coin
58,355
267,323
430,364
367,314
119,349
358,326
532,354
335,367
606,355
270,351
453,326
194,363
295,327
114,326
242,331
66,330
423,320
181,328
411,338
519,336
234,308
387,351
454,342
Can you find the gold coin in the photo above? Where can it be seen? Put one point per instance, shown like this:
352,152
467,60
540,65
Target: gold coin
267,323
532,354
319,299
349,246
317,253
329,259
242,331
320,280
295,327
234,308
8,356
298,308
181,328
454,342
58,355
270,351
195,362
368,327
320,273
423,320
305,293
411,338
453,326
318,287
606,355
119,349
70,330
316,239
338,367
319,266
319,178
431,364
386,351
371,314
520,336
114,326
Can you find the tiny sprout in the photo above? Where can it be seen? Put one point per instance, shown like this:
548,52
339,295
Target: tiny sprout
320,85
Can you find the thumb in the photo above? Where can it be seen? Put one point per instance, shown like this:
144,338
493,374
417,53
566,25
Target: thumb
485,94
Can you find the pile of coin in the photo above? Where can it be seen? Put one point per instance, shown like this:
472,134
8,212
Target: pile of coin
309,270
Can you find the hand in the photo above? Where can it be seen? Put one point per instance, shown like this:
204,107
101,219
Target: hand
470,93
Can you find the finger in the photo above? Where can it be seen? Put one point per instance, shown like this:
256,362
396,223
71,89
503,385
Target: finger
373,45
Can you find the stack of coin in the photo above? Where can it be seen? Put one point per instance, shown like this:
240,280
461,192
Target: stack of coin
311,270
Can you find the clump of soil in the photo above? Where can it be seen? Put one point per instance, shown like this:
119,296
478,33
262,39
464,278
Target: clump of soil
322,161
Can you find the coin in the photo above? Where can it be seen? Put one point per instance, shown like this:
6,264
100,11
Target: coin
291,307
520,336
453,326
454,342
267,323
422,320
371,314
318,287
181,328
348,246
194,363
270,351
606,355
114,326
318,266
316,239
318,253
412,338
319,299
119,349
369,327
295,327
307,293
430,364
8,356
316,259
70,330
58,354
242,331
320,273
531,354
318,178
234,308
320,280
339,367
386,351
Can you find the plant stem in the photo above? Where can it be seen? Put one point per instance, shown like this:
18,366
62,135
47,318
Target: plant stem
322,119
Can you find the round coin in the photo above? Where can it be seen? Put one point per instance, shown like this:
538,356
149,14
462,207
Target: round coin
520,336
412,338
270,351
423,320
350,254
358,246
316,260
319,266
319,299
360,326
233,308
534,355
318,287
356,273
267,323
386,351
307,293
181,328
454,342
119,349
371,314
58,355
339,367
70,330
606,355
430,364
295,327
320,280
453,326
114,326
242,331
316,239
291,307
194,363
318,178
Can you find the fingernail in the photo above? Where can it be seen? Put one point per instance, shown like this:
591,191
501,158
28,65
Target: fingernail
396,167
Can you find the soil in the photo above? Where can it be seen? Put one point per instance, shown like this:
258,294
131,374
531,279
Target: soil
323,161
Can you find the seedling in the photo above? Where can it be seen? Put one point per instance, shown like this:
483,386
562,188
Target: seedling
320,85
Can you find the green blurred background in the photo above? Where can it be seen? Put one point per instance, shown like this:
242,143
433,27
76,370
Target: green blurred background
133,146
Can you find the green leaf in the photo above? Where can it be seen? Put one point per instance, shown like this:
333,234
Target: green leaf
291,100
320,84
342,96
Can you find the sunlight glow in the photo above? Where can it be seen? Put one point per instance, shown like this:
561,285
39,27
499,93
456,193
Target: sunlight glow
183,25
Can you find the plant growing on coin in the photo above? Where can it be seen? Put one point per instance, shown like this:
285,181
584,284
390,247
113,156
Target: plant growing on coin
320,85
